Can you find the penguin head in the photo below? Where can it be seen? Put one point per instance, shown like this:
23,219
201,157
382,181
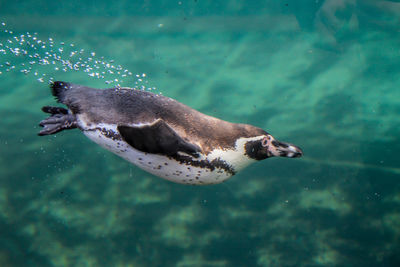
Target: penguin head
267,146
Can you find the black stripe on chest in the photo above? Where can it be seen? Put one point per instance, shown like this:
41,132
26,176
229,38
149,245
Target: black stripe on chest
211,165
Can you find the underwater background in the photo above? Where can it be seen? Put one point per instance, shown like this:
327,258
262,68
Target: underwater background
324,75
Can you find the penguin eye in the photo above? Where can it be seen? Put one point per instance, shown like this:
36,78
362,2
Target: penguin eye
264,142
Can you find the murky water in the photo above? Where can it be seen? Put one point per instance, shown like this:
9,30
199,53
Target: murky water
321,74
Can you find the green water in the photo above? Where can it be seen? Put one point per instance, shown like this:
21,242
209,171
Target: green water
323,75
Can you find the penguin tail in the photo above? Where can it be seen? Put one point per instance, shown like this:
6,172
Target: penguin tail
59,89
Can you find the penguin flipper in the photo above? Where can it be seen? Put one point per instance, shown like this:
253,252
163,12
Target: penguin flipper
157,138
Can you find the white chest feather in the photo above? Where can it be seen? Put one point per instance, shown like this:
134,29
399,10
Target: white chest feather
204,170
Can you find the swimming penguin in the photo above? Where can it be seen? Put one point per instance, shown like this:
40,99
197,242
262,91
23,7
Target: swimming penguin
161,135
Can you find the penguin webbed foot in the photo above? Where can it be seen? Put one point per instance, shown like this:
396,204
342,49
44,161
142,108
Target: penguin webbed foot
59,120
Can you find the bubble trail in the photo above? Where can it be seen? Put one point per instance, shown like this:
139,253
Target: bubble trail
31,55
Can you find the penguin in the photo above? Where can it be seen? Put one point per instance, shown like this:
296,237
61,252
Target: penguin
161,135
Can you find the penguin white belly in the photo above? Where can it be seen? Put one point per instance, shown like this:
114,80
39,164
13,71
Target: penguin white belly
106,135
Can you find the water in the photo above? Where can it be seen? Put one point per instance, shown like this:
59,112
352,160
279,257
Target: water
321,74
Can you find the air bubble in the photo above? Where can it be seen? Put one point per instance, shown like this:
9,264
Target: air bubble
29,49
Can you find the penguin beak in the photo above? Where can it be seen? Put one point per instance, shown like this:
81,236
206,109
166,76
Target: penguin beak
281,149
